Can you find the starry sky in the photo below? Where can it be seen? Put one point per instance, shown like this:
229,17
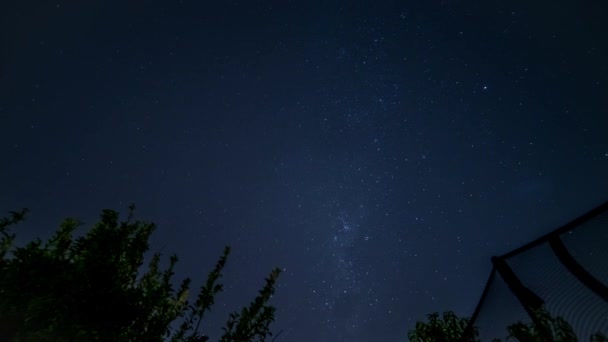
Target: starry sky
379,154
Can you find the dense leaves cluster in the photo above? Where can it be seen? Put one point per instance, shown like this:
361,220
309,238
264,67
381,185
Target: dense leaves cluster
450,328
91,289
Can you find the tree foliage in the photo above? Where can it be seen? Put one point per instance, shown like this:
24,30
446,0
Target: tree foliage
96,288
547,328
451,328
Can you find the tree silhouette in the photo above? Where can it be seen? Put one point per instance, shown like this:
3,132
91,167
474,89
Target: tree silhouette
92,289
450,328
547,328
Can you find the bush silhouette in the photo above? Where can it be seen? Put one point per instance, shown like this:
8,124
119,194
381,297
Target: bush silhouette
451,328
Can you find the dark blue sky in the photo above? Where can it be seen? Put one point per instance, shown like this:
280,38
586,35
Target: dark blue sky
379,154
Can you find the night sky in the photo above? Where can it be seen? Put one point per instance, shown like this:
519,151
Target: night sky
379,154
